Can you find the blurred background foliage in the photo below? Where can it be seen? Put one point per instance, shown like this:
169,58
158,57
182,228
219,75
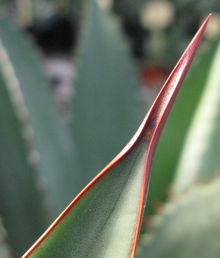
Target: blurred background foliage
76,79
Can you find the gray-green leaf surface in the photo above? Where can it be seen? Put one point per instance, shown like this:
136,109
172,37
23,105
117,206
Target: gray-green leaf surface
52,140
200,156
106,110
23,205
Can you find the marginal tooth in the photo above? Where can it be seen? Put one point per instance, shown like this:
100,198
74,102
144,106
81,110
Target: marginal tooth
157,220
204,190
22,113
28,133
33,157
169,209
146,239
7,69
182,199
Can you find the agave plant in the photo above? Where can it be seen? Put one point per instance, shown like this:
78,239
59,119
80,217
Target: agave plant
45,162
104,219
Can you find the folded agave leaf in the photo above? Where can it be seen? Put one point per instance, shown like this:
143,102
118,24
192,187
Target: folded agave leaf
200,156
104,219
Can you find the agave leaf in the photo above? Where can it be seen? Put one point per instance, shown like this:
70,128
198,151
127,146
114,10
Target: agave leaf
5,250
172,139
106,108
200,155
104,219
51,137
23,205
188,226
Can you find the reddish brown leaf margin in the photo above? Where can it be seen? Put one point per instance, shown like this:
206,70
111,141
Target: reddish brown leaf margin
150,129
159,113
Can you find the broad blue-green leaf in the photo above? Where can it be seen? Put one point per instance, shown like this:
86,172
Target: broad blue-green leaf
200,156
57,155
106,110
22,204
104,220
188,226
5,250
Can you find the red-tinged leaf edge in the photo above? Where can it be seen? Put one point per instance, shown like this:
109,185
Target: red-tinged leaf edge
150,129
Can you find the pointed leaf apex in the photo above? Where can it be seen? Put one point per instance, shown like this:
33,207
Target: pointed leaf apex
136,166
157,115
153,124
